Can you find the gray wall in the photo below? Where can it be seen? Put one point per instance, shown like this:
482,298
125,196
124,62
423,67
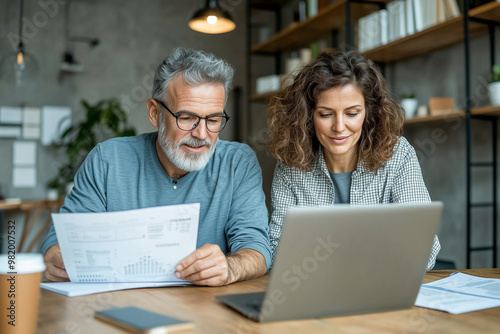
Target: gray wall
135,36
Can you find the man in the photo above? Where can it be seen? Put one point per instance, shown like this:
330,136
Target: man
184,162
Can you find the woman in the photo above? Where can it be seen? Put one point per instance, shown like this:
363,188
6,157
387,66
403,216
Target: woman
337,136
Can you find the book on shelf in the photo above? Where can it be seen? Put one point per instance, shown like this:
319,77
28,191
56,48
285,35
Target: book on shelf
410,17
312,8
402,18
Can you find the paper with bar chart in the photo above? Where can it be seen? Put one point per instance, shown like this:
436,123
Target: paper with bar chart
142,245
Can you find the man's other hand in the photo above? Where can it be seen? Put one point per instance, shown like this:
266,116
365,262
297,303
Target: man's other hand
55,270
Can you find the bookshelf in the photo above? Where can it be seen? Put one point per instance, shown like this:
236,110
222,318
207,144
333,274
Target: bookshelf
458,30
439,36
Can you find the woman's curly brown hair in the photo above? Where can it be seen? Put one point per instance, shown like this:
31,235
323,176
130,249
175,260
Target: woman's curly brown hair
292,139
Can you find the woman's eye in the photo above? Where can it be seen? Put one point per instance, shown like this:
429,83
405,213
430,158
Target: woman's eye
352,114
324,115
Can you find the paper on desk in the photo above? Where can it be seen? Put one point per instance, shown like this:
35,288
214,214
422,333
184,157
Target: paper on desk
460,293
141,245
71,289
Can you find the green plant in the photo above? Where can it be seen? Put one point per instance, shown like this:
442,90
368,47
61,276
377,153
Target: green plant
408,96
104,120
495,73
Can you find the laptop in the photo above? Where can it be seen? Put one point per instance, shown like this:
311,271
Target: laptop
343,259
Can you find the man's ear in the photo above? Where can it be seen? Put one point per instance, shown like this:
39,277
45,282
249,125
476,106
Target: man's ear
153,112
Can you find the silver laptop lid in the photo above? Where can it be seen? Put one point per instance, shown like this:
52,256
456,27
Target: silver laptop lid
345,259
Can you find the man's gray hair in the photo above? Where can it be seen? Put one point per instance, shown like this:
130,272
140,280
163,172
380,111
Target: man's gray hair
196,67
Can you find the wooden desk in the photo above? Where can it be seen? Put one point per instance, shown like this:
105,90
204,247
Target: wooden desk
32,210
60,314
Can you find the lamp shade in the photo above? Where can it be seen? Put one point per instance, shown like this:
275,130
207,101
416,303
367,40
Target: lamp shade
212,20
19,68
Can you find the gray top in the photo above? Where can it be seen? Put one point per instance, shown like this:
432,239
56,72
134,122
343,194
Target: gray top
341,186
125,173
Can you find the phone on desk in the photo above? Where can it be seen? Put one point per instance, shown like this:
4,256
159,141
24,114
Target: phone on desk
138,320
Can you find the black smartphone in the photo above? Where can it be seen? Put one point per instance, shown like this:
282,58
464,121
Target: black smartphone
138,320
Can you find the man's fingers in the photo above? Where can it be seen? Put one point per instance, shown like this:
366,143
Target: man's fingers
204,274
55,274
200,253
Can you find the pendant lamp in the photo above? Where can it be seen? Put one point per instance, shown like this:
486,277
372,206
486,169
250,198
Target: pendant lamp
19,67
212,19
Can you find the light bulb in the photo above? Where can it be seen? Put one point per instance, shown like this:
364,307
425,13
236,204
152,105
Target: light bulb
212,19
20,58
19,68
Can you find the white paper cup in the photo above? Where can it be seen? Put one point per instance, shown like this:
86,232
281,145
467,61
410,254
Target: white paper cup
20,277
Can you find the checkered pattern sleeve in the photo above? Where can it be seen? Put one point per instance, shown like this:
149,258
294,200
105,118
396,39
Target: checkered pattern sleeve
408,185
282,198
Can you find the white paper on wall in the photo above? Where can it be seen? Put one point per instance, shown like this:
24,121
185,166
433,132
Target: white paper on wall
24,153
31,131
55,120
11,131
11,115
31,116
24,177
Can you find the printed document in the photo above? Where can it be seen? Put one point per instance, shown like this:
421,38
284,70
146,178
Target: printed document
142,245
460,293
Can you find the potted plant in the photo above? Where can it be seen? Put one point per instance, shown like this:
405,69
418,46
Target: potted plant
104,120
494,86
409,104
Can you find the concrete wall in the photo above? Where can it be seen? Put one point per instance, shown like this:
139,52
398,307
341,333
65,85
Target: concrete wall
135,36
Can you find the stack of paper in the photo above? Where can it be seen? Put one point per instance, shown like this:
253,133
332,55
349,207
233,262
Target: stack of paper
460,293
109,251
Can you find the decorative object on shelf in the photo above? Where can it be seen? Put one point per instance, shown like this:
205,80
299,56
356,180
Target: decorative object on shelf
104,120
441,105
212,19
293,64
19,67
268,83
494,86
422,111
409,104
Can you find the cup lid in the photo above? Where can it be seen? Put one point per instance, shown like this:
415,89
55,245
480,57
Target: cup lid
21,263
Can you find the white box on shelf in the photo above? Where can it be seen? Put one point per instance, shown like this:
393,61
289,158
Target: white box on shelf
268,83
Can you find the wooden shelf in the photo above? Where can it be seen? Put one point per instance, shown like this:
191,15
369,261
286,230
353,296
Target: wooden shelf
332,17
300,34
481,111
486,111
435,118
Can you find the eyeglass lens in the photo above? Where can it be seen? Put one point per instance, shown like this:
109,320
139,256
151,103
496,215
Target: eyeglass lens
189,122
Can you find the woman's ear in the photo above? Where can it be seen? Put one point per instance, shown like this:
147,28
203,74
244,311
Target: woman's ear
153,112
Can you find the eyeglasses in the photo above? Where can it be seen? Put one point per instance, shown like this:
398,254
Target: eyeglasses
187,121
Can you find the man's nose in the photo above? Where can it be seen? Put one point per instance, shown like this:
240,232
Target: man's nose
200,131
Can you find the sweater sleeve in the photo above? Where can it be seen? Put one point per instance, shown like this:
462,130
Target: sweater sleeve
247,227
87,195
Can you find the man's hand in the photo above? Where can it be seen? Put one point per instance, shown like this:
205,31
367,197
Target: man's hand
209,266
205,266
55,270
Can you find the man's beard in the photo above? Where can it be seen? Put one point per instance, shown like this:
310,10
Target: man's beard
186,161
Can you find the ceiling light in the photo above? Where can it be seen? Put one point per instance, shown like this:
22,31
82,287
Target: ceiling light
212,19
19,67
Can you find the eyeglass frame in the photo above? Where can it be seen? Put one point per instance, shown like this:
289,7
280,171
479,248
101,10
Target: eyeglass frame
177,115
